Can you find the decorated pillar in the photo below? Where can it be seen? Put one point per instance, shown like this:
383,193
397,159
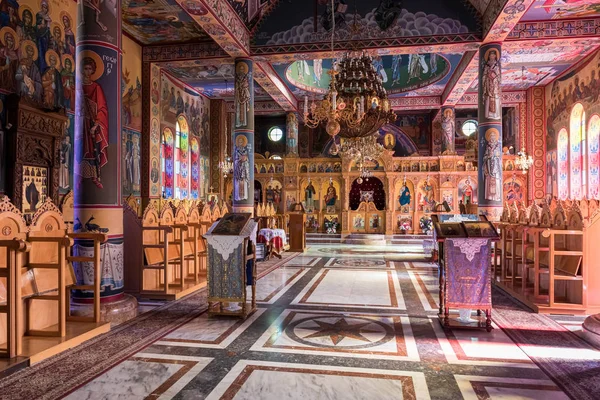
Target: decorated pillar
448,130
292,134
490,132
243,138
97,178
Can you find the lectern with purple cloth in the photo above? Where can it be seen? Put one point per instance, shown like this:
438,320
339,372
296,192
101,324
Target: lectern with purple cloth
468,277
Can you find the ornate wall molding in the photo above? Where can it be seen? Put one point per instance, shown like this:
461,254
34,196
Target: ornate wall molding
555,29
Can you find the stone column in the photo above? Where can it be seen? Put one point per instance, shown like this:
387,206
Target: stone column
243,138
448,130
292,134
489,177
97,145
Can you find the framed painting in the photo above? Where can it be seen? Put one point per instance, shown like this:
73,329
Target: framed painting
231,224
481,229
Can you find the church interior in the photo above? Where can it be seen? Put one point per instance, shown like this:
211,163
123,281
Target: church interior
317,199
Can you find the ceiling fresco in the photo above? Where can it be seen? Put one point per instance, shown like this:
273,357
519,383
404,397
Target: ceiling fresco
534,66
251,11
401,74
213,80
557,9
159,22
294,21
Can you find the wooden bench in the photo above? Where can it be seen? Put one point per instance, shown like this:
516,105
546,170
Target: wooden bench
41,302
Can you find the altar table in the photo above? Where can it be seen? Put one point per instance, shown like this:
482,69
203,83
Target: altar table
275,239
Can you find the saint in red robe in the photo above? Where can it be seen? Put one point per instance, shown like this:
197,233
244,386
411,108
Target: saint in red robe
95,130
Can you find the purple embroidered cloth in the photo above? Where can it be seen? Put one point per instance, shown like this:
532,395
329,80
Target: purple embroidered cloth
467,267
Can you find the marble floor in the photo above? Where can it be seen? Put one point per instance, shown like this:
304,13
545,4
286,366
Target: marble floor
338,322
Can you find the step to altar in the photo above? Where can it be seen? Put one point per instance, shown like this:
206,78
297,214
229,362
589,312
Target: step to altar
323,238
365,238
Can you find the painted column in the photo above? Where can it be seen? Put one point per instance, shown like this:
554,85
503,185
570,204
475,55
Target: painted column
489,176
97,178
448,130
292,134
243,138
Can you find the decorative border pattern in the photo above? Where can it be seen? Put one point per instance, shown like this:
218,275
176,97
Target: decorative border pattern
513,97
501,16
172,52
537,142
266,77
555,29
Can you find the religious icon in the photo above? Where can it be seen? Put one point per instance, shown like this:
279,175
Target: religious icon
448,130
426,196
69,35
492,166
42,23
292,133
9,59
359,222
65,161
389,141
52,81
467,192
416,66
404,198
396,62
68,82
491,77
95,119
330,198
241,170
309,194
318,70
154,174
242,94
29,81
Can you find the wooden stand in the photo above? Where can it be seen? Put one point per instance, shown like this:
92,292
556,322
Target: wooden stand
227,274
297,229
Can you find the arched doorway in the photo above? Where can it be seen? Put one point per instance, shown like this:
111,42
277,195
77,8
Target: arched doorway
367,202
368,185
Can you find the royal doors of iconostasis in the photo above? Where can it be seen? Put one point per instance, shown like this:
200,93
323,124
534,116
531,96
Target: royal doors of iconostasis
367,205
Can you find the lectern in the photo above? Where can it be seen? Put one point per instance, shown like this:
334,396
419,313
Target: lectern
465,274
231,265
297,229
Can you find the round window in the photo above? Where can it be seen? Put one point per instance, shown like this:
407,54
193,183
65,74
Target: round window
275,134
469,127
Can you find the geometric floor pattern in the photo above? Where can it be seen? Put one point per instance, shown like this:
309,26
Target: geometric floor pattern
331,325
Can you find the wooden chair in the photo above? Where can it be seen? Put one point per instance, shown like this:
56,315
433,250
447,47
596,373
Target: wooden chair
195,234
186,236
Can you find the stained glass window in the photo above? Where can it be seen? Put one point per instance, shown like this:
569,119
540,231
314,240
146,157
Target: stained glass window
593,138
563,164
167,166
576,163
182,165
195,168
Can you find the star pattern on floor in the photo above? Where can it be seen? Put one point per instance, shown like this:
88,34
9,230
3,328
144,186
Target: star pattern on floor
340,330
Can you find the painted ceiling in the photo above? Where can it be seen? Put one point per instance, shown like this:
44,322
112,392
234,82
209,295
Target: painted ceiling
541,10
534,66
401,74
213,80
159,22
310,21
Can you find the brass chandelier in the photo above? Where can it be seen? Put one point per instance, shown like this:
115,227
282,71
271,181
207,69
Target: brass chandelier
356,104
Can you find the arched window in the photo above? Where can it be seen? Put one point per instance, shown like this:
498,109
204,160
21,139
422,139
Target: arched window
563,164
167,167
194,168
575,144
593,142
182,164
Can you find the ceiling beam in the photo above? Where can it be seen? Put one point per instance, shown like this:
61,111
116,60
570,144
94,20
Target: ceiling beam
461,79
500,18
266,77
182,52
222,24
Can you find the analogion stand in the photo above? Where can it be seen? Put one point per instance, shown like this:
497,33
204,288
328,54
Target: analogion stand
231,246
464,240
